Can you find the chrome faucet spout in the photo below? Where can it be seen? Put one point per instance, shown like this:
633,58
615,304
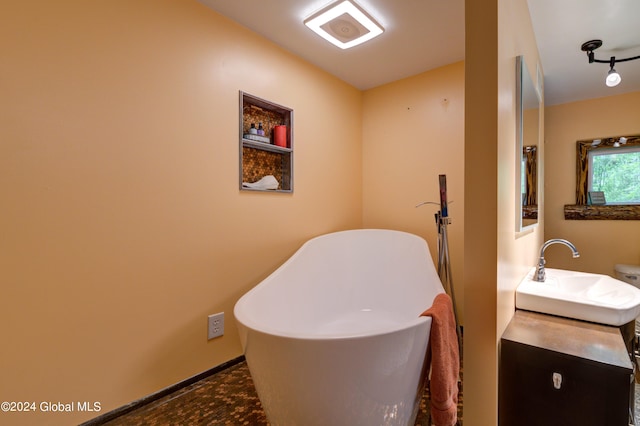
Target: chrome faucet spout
540,273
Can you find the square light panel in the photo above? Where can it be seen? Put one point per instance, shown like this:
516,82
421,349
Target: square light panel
344,24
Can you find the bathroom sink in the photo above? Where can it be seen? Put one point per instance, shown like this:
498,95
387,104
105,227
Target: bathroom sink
580,295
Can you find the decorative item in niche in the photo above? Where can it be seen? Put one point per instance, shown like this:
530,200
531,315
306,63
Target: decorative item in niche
267,182
262,119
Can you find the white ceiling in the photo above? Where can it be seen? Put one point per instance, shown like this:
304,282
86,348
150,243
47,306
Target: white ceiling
425,34
561,26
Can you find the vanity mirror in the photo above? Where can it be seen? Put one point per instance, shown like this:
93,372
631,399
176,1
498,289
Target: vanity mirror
527,140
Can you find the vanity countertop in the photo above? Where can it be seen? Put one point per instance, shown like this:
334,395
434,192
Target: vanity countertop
595,342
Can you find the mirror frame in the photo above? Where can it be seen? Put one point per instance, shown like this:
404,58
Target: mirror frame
525,151
582,161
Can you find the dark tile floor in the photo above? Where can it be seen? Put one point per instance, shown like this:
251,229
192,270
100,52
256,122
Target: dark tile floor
225,398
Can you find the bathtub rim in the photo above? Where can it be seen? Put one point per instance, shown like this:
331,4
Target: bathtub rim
243,320
382,331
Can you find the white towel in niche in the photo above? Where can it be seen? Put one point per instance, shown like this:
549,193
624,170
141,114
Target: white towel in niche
267,182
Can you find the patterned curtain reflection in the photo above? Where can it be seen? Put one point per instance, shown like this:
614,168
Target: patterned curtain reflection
529,155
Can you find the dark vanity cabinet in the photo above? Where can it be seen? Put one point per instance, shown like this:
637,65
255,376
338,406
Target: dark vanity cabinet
557,371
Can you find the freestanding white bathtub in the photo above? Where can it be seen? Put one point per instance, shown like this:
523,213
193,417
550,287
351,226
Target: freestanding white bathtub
334,336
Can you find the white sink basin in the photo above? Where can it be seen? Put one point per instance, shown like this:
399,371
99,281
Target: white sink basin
580,295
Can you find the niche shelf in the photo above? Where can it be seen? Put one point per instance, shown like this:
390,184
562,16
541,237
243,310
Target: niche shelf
268,154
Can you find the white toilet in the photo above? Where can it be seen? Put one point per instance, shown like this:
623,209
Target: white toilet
630,274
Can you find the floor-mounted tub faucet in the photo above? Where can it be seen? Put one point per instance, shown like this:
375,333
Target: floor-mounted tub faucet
540,275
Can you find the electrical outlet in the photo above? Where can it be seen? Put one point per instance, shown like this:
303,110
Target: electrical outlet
216,325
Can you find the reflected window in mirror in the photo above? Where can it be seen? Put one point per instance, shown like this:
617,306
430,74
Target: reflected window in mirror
528,135
610,165
609,169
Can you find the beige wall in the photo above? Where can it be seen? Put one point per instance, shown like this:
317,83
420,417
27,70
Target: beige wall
602,243
413,132
495,256
122,224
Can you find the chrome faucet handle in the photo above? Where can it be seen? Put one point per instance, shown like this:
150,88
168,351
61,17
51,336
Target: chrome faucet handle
540,273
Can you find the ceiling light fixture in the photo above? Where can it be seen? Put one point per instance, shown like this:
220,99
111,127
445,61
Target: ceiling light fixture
344,24
613,77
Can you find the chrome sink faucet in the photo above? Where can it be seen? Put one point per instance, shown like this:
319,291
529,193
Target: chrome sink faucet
540,275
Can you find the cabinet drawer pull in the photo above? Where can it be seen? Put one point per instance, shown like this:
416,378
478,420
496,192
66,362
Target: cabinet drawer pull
557,380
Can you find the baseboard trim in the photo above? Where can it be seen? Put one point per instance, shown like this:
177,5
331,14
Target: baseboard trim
120,411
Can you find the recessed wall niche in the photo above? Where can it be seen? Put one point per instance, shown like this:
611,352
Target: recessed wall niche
266,145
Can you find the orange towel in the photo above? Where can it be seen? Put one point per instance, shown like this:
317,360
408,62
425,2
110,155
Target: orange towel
444,358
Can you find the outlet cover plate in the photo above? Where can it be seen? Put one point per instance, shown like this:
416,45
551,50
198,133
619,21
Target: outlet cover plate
216,325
